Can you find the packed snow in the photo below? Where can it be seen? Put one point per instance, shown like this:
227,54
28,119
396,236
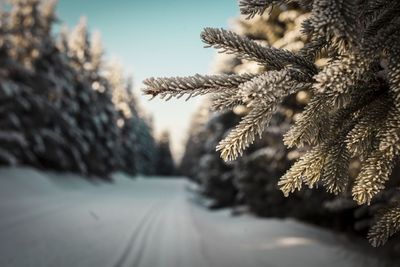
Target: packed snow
50,219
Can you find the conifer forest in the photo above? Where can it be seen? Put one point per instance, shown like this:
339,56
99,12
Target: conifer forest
290,156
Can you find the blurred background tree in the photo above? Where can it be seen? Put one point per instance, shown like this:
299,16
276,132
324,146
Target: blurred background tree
165,165
62,106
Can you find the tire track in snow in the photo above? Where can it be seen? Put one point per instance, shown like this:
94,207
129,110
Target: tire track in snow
139,230
143,241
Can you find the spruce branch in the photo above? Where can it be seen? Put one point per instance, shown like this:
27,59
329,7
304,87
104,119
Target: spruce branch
386,38
373,175
313,49
375,8
362,139
394,73
336,20
342,74
274,58
306,170
386,226
245,133
193,85
376,169
311,127
335,173
271,87
382,20
226,100
389,132
308,128
251,8
328,161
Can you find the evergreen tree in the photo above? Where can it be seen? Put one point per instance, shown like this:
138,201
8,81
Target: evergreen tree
196,139
29,28
165,165
215,176
34,97
94,120
146,151
57,105
353,112
121,97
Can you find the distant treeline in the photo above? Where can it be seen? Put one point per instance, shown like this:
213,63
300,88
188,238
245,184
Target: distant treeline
62,107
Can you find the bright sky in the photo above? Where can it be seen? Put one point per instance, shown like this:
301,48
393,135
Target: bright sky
155,38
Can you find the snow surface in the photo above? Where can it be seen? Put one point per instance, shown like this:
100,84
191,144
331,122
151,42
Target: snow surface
58,220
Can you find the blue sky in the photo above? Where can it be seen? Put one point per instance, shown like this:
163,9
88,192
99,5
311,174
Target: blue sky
155,38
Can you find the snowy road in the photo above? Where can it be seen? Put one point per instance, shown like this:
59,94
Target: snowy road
47,220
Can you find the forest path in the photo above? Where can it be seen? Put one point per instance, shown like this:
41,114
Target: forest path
60,220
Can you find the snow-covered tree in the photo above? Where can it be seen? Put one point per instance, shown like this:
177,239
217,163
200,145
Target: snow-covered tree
165,165
195,142
79,45
146,149
215,176
124,102
353,111
56,104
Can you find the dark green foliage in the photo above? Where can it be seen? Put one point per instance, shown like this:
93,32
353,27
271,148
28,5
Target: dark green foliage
165,165
194,149
146,147
57,108
201,162
215,176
